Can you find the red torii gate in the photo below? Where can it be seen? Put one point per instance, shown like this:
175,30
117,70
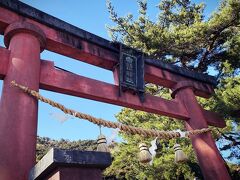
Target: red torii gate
27,31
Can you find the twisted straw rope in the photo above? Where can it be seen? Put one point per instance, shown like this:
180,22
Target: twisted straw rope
126,128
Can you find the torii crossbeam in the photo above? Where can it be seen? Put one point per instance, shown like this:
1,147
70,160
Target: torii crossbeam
27,31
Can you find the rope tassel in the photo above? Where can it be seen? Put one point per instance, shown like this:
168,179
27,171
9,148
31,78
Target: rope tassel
180,156
102,144
144,155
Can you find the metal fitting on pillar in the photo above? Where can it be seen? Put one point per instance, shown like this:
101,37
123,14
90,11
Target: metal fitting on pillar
181,85
24,27
195,86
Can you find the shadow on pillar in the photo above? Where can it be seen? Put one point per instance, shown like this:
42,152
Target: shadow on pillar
60,164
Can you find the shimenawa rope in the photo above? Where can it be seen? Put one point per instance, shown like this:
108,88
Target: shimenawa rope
126,128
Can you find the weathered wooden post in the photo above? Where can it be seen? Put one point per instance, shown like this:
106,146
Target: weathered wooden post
18,127
209,158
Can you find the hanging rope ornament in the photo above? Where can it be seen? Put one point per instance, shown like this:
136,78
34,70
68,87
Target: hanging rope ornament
144,155
124,128
180,156
102,143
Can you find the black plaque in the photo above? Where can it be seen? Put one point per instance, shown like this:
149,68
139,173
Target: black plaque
131,71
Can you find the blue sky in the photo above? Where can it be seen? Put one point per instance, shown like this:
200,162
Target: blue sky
90,15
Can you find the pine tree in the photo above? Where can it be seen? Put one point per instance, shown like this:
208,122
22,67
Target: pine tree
181,36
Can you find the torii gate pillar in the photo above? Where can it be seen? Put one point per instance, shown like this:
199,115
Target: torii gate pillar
18,127
209,158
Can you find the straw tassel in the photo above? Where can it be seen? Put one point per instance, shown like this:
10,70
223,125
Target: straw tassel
144,155
102,144
179,154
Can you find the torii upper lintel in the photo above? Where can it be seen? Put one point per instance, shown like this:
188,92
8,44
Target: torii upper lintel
27,31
